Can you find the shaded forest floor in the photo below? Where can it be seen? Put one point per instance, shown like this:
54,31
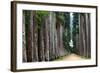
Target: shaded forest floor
70,57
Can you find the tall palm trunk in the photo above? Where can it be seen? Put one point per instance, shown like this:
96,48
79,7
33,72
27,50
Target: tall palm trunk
51,36
24,39
84,32
29,37
34,36
46,38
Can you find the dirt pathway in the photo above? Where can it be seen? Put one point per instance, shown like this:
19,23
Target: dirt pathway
72,57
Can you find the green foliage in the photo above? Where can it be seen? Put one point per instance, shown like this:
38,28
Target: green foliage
76,28
66,32
60,17
66,40
66,21
59,58
76,23
39,17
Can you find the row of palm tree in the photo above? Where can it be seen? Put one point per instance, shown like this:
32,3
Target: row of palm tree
48,35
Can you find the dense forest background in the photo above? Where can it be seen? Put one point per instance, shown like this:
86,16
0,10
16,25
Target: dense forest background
49,35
